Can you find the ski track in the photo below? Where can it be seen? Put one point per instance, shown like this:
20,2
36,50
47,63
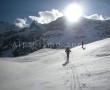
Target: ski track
73,79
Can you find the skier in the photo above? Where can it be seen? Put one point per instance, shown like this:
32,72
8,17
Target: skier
82,45
67,50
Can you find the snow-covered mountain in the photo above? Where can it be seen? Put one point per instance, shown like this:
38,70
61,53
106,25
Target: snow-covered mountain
7,31
88,69
6,27
59,33
12,37
87,30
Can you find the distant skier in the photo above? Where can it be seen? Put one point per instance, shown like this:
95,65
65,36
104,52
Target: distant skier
82,45
67,50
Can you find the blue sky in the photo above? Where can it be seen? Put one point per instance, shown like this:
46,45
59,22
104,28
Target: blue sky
12,9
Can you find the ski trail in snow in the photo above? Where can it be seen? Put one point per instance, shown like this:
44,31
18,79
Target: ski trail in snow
73,79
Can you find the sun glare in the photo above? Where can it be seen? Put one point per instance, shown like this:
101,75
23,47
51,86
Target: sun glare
73,12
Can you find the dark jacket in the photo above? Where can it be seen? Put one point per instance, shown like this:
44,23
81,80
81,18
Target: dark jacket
67,50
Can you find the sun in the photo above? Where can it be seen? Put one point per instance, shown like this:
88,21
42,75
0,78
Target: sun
73,12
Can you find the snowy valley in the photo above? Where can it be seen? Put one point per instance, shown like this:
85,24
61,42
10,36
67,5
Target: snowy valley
88,69
41,68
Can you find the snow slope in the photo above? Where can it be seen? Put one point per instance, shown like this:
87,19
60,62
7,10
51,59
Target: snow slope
88,69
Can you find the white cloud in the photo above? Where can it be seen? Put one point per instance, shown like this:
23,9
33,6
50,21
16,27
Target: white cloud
46,16
97,17
21,23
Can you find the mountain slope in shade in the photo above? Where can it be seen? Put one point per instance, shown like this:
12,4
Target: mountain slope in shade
87,30
88,69
11,38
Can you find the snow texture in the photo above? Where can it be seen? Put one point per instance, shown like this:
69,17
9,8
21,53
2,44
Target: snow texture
88,69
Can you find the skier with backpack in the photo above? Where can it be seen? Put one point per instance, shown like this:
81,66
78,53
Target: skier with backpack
67,50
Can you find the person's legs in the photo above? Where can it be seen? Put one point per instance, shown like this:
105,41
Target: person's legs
67,57
82,46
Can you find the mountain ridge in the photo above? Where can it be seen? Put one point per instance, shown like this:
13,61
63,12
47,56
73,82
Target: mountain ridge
57,32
